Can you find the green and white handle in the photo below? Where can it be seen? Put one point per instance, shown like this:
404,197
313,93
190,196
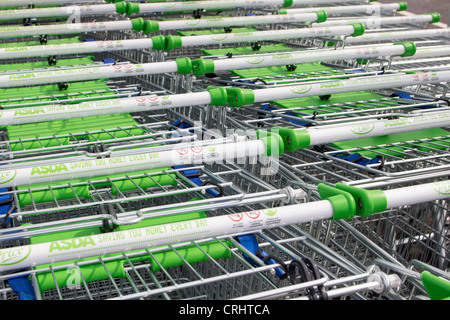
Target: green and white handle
65,11
222,22
374,22
400,35
339,202
179,155
21,3
174,42
216,96
203,66
180,65
351,9
238,98
304,138
15,31
153,43
175,6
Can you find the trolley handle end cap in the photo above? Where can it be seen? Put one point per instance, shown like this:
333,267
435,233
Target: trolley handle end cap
137,24
202,66
410,48
294,139
344,205
132,7
158,42
367,202
273,142
322,16
219,96
437,288
238,97
403,5
360,29
150,26
288,3
436,17
172,42
121,7
184,65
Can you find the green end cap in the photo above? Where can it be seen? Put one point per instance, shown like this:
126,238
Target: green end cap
121,7
138,24
219,96
184,65
132,7
410,48
368,202
273,142
359,29
403,6
322,16
288,3
294,139
436,287
436,17
159,42
238,97
344,206
282,11
202,66
172,42
151,26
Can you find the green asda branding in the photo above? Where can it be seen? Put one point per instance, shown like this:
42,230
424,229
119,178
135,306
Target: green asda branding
169,4
14,255
270,212
300,89
254,60
7,176
443,188
362,129
219,37
192,22
18,49
26,112
283,56
49,169
70,244
22,76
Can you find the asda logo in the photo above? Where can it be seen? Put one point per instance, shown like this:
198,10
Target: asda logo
219,37
169,4
7,176
26,112
54,168
243,34
283,56
333,84
361,129
22,76
18,49
443,188
300,89
14,255
192,22
255,60
270,212
70,244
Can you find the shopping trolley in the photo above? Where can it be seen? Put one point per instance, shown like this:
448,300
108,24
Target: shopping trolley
288,261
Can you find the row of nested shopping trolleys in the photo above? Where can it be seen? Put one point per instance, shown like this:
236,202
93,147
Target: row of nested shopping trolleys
219,150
